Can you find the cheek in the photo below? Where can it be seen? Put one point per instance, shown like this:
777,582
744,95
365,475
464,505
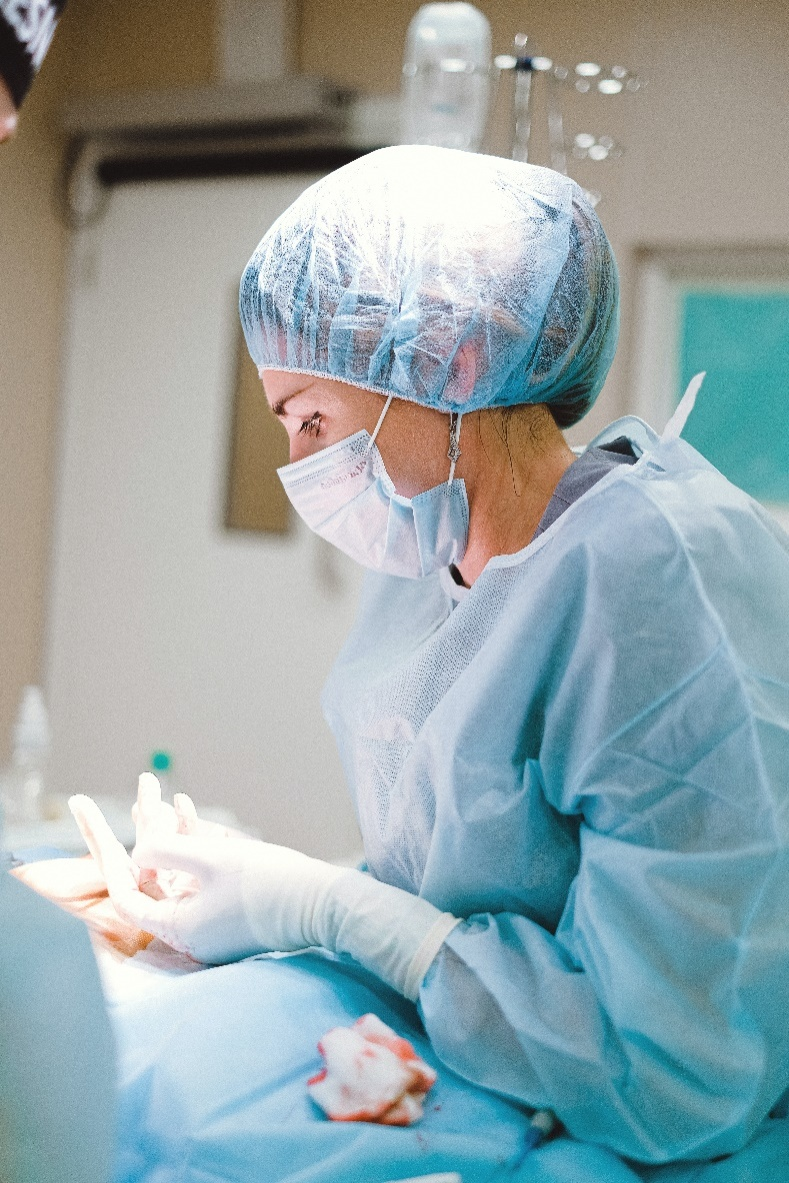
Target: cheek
333,431
302,446
413,475
417,461
338,423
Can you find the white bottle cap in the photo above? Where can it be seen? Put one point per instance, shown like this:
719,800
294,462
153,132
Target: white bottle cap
31,731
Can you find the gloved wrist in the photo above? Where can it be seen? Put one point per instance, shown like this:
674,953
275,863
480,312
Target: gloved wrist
391,932
299,912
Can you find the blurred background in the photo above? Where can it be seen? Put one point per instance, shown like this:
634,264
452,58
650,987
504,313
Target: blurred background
162,602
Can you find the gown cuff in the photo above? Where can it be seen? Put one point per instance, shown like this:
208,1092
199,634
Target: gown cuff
427,953
391,932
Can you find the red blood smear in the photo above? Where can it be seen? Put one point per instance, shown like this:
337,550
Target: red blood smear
377,1115
424,1076
403,1119
401,1047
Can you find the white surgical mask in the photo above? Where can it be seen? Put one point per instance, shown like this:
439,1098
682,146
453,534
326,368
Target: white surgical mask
345,495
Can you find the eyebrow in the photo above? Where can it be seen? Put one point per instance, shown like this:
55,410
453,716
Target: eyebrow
279,406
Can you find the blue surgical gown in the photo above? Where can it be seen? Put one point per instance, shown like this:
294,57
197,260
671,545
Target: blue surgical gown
587,760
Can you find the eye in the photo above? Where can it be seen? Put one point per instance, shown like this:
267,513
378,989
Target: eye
312,425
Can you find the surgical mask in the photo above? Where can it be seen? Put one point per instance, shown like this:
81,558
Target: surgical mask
345,495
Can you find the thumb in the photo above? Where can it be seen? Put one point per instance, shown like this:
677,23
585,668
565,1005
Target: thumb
108,853
176,852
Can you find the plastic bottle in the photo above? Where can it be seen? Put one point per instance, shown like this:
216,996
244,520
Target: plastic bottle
23,783
446,76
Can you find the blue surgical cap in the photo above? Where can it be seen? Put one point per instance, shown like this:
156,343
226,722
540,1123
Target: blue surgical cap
378,274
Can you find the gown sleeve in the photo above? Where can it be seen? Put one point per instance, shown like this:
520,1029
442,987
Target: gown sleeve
653,1020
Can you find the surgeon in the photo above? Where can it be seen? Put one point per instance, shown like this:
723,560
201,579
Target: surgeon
564,708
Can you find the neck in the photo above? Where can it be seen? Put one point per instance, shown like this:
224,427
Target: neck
512,462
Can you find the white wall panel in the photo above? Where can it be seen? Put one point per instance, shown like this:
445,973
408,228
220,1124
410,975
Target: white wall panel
166,630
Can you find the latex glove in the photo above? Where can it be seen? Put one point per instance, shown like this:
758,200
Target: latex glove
152,815
149,813
247,897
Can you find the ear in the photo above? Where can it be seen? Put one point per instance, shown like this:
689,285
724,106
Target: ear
462,374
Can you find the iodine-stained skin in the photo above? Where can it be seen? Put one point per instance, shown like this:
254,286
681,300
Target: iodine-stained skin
79,888
371,1074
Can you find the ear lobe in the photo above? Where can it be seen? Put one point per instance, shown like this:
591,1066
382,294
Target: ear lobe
462,375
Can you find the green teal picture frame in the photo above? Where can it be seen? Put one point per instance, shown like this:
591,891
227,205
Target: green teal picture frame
723,309
739,334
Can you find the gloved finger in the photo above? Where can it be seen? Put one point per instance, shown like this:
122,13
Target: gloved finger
185,813
156,917
182,819
149,795
166,819
152,814
108,853
177,852
190,823
152,915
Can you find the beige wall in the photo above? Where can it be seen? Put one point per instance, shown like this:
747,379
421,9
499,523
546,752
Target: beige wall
98,47
707,152
707,156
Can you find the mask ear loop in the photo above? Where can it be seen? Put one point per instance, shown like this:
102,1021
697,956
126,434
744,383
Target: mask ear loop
381,418
454,452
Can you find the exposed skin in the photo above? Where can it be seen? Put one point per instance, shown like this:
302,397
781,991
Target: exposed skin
511,465
8,113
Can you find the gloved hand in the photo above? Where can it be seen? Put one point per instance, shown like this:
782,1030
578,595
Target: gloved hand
149,813
226,898
152,815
